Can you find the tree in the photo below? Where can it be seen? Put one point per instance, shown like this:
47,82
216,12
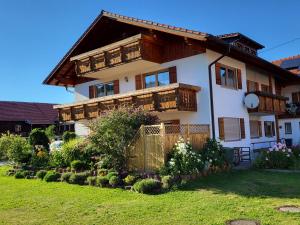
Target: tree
38,137
50,132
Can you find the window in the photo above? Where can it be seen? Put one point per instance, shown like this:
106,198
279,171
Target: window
255,129
18,128
288,128
296,97
252,86
265,88
157,79
269,128
228,77
232,129
105,89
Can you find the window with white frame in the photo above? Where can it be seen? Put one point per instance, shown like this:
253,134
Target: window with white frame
105,89
228,77
288,128
232,129
269,128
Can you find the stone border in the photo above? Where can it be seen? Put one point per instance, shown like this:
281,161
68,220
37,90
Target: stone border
242,222
288,206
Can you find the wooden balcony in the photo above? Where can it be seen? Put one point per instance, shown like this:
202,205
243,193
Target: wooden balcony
174,97
269,104
139,50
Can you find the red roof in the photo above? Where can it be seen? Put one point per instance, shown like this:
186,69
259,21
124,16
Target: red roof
280,61
33,113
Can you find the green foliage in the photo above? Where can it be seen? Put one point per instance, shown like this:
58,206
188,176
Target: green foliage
111,174
50,132
296,151
15,148
65,177
91,180
51,176
41,174
114,181
5,143
57,159
77,165
78,178
20,174
147,186
68,135
102,181
167,182
112,133
184,160
72,150
274,160
102,172
38,137
129,179
40,159
213,153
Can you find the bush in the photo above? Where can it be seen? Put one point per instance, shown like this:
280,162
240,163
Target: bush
41,174
5,143
167,182
50,132
57,159
68,135
111,174
77,165
102,181
102,172
78,178
147,186
114,181
38,137
71,151
129,180
20,174
213,153
51,176
112,133
40,159
91,180
65,177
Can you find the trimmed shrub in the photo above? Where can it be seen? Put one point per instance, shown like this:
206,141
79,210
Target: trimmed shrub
102,181
41,174
65,177
50,132
38,137
111,174
91,180
40,159
51,176
19,175
129,180
77,165
68,135
167,182
147,186
71,150
57,159
114,181
102,172
78,178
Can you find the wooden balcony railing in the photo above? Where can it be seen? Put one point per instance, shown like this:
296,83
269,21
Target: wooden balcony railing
124,51
174,97
269,104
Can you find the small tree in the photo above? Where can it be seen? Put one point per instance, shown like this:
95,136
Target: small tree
38,137
50,132
112,133
68,135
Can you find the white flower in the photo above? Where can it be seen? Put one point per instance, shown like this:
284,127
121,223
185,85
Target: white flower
271,149
283,150
267,159
288,155
289,150
210,160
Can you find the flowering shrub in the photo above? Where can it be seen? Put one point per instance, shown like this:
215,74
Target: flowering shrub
277,157
213,153
184,160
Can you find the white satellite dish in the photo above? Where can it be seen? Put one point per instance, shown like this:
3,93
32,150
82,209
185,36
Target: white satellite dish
251,101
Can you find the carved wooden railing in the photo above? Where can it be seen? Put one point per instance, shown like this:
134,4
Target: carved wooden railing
269,103
174,97
124,51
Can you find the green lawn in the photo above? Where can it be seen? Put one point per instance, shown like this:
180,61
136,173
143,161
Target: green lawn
213,200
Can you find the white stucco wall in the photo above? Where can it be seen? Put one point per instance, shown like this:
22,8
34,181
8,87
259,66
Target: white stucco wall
295,136
288,90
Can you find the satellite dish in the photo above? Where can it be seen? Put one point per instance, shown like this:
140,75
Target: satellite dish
251,101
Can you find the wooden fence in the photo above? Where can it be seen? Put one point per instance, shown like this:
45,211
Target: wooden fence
151,144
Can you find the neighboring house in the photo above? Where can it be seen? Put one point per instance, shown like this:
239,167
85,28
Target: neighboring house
289,123
21,117
183,76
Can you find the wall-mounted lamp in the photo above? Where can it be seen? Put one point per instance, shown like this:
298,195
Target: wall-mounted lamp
126,79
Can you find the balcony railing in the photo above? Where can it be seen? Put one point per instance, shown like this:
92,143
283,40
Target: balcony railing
174,97
269,103
124,51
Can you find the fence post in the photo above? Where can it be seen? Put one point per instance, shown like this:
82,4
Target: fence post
188,130
143,146
162,138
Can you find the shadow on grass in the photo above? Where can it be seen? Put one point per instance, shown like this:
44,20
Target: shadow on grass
250,183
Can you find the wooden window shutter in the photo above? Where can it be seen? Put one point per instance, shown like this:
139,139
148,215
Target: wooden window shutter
218,73
239,78
248,86
173,75
294,97
273,129
256,86
138,82
92,91
242,126
116,87
259,129
221,128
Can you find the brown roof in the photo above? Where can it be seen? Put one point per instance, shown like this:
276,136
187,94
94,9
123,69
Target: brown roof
280,61
33,113
242,36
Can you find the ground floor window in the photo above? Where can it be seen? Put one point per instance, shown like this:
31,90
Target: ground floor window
255,128
269,128
288,128
18,128
231,129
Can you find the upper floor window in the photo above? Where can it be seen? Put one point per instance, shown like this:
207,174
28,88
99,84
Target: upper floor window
229,77
105,89
296,97
265,88
157,79
269,128
252,86
288,128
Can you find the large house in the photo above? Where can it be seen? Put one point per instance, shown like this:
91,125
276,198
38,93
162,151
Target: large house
289,123
183,76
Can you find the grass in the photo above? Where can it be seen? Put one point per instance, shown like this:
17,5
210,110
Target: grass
211,200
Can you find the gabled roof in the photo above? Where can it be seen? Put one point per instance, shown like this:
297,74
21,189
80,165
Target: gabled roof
237,35
33,113
291,64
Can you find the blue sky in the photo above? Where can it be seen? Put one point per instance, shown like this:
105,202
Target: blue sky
34,34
